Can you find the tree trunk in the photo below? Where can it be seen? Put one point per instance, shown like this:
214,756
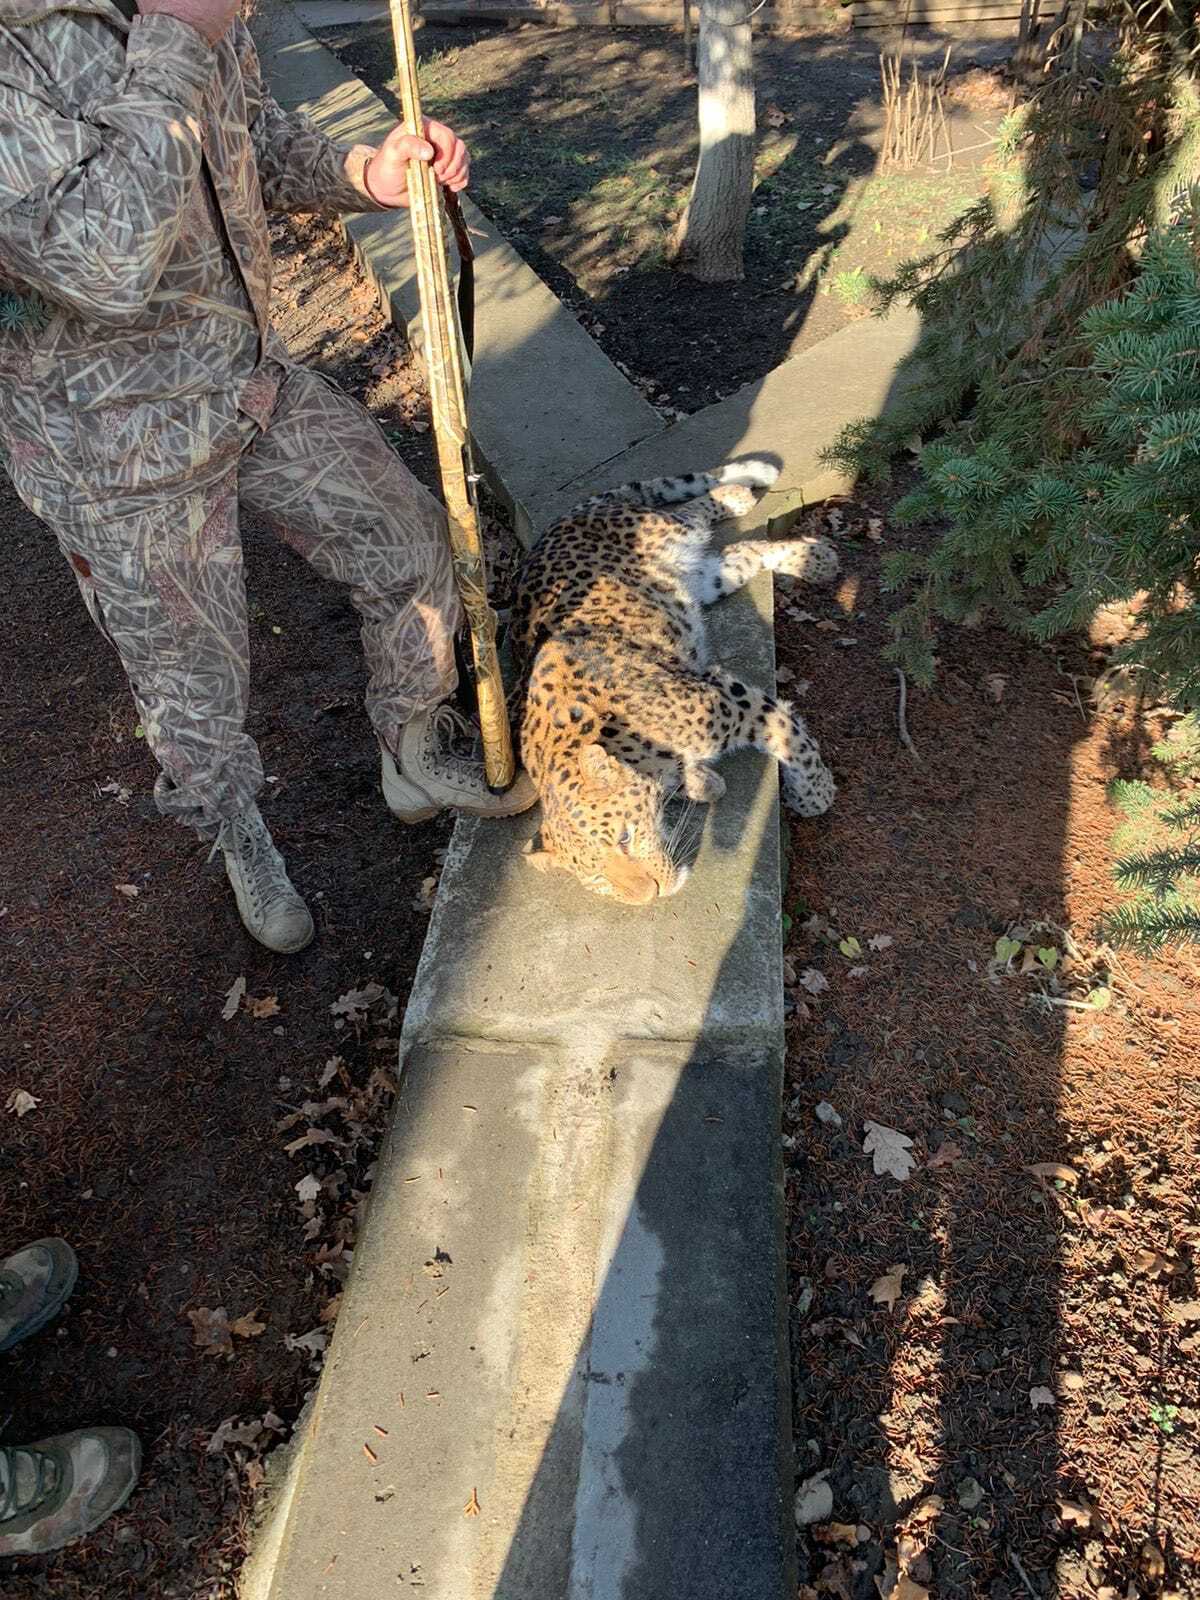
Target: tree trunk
708,240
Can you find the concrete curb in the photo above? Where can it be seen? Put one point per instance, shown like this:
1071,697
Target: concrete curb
567,1306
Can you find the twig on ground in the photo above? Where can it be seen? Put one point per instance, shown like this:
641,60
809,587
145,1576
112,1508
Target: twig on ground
1022,1574
1055,1000
901,719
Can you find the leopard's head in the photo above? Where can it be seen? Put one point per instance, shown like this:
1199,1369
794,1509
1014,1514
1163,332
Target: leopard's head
603,821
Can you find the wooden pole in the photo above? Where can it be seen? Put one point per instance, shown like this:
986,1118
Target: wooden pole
448,400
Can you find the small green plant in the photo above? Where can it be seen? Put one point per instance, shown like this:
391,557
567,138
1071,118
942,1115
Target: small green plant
852,286
1163,1416
1163,871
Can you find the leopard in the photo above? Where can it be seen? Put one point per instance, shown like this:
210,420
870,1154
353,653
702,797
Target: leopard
621,708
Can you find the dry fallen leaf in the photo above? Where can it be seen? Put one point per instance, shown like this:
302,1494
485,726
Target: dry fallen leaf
20,1102
889,1150
1152,1263
309,1137
247,1327
995,683
834,1579
812,980
231,1431
1054,1170
1077,1513
880,941
211,1333
945,1153
314,1341
308,1188
234,998
875,529
329,1071
906,1589
266,1006
129,890
932,1506
1039,1395
886,1289
426,895
836,1532
827,626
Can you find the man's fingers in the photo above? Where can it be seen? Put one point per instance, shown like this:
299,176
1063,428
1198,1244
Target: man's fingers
408,147
452,164
455,177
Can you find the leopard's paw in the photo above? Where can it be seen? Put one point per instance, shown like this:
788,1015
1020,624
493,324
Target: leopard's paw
701,782
735,499
813,559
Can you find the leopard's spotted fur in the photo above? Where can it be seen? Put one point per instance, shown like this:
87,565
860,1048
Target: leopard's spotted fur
622,708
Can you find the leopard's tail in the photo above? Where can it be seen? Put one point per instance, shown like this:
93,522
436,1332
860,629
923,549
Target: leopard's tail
755,472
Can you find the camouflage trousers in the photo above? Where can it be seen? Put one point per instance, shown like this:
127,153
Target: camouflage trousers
166,586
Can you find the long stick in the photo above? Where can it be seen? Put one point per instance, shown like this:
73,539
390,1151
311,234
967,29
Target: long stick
448,399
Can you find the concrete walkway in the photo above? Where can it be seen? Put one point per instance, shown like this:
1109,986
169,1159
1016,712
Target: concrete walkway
567,1308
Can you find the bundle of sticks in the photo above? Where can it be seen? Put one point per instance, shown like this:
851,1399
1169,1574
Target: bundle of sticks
915,116
443,340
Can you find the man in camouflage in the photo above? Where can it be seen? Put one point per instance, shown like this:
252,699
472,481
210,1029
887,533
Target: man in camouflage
145,398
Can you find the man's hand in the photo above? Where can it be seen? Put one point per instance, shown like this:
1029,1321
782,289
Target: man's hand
211,18
386,176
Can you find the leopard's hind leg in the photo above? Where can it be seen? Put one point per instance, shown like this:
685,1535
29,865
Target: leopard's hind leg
697,719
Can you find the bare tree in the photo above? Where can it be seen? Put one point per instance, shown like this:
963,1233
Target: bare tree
708,240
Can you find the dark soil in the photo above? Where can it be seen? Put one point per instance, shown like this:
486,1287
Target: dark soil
584,145
1082,1283
156,1146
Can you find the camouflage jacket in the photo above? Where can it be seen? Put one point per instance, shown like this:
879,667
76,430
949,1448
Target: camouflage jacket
136,166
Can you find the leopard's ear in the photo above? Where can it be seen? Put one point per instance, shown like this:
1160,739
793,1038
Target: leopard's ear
601,770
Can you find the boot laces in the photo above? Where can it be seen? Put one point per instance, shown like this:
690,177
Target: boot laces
453,738
45,1478
248,838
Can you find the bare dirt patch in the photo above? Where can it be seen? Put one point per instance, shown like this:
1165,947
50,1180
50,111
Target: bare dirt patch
1035,1368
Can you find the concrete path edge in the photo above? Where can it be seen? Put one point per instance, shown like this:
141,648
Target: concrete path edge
567,1306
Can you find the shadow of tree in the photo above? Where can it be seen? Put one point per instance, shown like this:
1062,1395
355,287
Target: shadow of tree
585,145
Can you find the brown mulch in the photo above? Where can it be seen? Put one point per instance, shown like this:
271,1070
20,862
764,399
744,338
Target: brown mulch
157,1144
1081,1284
